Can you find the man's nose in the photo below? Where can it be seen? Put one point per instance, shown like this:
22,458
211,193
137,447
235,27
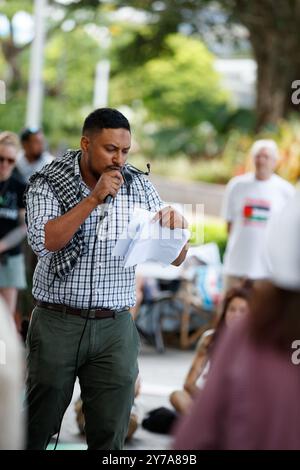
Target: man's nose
118,158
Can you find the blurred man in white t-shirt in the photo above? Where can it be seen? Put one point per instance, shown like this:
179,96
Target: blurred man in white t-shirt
249,202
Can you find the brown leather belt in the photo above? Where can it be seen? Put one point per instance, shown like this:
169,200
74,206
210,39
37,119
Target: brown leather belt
84,313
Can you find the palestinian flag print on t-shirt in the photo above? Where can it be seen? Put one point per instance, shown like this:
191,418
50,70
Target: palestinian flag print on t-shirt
256,211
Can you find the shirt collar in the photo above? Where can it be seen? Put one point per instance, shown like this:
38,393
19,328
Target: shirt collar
77,173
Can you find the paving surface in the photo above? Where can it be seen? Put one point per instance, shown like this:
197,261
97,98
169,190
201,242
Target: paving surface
211,195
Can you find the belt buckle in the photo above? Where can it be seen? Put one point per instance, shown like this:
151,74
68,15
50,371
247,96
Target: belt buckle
92,313
88,313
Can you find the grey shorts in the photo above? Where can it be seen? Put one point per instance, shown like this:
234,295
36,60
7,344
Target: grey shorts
12,272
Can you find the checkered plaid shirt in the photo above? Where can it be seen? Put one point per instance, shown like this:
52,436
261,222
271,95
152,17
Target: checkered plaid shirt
112,286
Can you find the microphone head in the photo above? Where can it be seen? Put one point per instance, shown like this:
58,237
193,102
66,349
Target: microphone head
108,199
129,172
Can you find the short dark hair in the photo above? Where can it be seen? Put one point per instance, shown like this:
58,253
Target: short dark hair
105,118
26,133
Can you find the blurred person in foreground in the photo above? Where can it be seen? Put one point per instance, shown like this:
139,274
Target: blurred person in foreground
249,201
235,305
251,397
12,223
11,384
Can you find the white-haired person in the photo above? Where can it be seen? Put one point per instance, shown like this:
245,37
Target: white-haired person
249,202
12,224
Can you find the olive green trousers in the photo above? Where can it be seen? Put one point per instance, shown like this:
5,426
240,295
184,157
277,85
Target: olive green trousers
107,371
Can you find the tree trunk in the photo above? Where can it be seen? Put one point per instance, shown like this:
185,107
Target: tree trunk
273,88
11,54
274,35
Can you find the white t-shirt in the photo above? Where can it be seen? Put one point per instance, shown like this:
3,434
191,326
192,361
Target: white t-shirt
283,246
248,205
27,168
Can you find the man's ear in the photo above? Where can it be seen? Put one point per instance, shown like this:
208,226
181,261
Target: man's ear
84,143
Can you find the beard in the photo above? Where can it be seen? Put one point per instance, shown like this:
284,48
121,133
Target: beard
91,168
36,156
95,172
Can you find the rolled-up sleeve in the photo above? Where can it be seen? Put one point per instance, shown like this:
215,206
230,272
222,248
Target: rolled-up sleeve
41,206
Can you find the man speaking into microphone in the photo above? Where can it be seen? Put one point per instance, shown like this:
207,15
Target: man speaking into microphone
81,325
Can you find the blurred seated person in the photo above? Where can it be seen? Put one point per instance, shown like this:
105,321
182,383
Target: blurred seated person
235,305
133,420
149,289
33,155
152,278
139,286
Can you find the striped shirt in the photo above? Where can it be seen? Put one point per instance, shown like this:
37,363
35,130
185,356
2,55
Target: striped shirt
111,285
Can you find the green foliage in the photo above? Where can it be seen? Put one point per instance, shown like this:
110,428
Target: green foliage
233,156
177,98
10,8
242,119
194,141
181,168
180,87
214,231
12,114
179,108
207,139
215,170
69,81
69,72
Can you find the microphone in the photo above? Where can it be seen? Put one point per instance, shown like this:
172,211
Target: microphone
108,199
106,202
128,172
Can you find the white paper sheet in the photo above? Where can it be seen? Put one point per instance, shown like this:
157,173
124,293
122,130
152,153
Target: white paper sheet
144,240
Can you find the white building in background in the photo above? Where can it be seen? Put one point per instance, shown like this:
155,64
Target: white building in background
101,84
2,92
239,77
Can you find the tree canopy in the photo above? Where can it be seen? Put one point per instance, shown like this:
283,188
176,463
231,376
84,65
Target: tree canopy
273,32
181,86
159,60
